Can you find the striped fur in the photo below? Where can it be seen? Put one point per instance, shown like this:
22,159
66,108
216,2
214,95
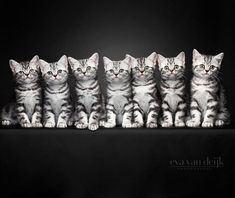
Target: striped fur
207,107
57,104
144,89
172,90
27,109
88,107
118,102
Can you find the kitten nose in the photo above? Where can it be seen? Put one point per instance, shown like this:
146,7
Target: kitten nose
207,71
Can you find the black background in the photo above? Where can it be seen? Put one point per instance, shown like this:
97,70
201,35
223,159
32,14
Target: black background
117,162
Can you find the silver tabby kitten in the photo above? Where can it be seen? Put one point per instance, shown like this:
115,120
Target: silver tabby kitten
207,106
144,89
88,106
172,90
27,109
118,102
57,104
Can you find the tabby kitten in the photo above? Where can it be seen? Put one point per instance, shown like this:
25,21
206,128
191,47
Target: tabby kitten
88,106
207,106
172,87
144,89
57,104
27,109
118,102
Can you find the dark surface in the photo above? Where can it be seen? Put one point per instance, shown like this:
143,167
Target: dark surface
115,163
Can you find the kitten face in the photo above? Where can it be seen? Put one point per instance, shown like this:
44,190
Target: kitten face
143,68
55,73
25,72
172,68
205,66
117,71
85,69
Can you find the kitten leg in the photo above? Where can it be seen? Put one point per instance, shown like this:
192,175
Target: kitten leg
167,115
22,117
111,116
127,115
64,115
37,116
152,114
180,114
49,116
138,115
210,114
94,116
81,121
8,115
195,113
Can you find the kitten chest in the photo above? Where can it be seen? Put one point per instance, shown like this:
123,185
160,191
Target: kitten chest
87,98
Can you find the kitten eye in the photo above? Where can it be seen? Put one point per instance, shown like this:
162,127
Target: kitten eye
212,67
49,72
59,71
20,72
136,68
146,67
111,70
88,68
166,67
176,66
31,70
121,70
202,66
78,69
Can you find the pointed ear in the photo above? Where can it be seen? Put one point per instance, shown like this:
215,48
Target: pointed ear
13,65
220,57
95,58
160,58
153,57
34,61
181,56
63,60
72,61
127,55
106,61
42,65
127,60
196,54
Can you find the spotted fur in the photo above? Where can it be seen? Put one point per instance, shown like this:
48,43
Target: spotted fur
207,108
26,110
144,89
172,88
57,104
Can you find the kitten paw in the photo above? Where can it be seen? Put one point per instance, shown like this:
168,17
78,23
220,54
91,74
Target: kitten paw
37,125
137,125
219,123
26,125
167,124
80,125
61,125
93,126
102,123
109,125
179,124
6,122
191,123
151,125
207,124
127,125
70,123
49,125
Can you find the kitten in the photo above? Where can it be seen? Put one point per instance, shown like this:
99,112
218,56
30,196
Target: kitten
207,106
172,88
118,102
144,89
89,105
57,104
27,109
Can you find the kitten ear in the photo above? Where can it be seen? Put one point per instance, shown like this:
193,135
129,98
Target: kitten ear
42,65
107,61
196,54
72,62
181,56
127,55
34,61
95,58
160,58
127,60
63,60
153,57
220,57
13,65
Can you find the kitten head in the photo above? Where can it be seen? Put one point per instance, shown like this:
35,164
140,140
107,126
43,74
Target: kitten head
206,66
25,72
54,73
117,71
172,68
143,68
85,69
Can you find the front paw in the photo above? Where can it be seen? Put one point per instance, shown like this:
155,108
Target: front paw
151,125
179,123
166,124
109,125
207,124
219,123
26,125
6,122
49,125
37,125
80,125
61,125
93,126
127,125
192,123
